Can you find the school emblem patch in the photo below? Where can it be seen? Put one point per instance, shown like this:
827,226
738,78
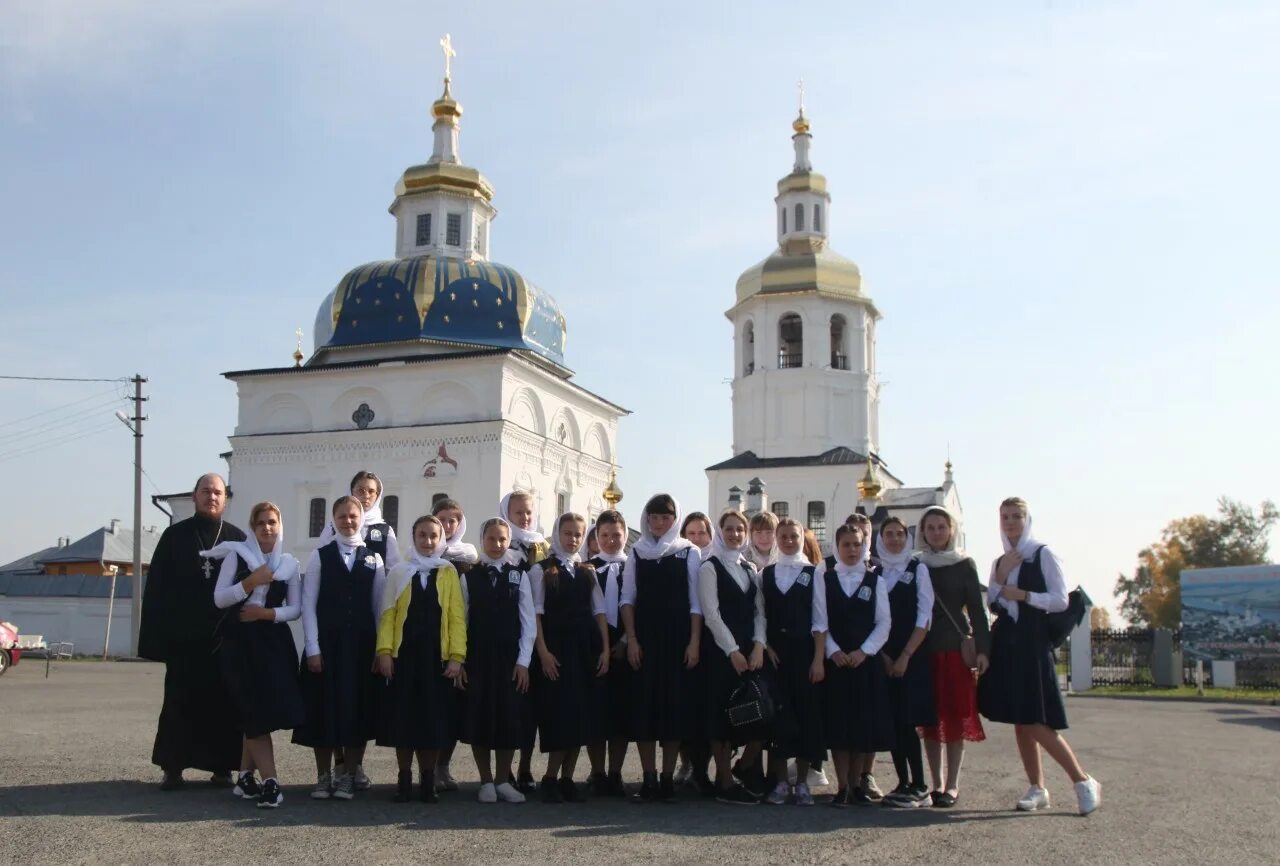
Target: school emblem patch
375,534
803,579
864,593
514,578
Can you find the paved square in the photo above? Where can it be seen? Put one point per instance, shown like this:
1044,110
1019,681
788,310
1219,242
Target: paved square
1183,783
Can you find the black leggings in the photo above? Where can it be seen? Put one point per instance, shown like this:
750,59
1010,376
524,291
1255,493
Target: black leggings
907,757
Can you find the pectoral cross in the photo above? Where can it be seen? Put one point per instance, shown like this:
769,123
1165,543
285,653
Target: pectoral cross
446,44
207,568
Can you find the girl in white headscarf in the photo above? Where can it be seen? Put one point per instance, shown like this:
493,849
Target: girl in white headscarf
733,609
663,623
959,619
1021,686
342,588
260,588
611,537
379,536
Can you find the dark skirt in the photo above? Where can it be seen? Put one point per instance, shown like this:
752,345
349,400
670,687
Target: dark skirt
719,682
419,704
662,690
495,710
617,699
798,724
198,728
911,695
340,700
259,664
856,712
1021,685
570,709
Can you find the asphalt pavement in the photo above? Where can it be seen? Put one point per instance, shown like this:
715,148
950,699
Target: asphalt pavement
1182,783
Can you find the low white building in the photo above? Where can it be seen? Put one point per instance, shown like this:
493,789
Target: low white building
439,370
806,397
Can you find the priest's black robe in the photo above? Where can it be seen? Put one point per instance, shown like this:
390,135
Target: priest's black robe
198,725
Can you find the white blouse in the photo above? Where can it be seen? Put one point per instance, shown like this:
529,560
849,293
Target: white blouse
692,559
849,583
228,592
311,592
540,591
1052,601
528,621
709,595
612,591
891,577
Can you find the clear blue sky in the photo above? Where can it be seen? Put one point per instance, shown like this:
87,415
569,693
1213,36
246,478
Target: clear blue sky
1065,211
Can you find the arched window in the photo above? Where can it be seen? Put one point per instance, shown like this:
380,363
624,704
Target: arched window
790,342
391,512
315,517
562,504
749,349
780,509
817,217
799,217
818,520
839,351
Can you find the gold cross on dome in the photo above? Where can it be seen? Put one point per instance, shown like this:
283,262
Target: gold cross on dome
446,45
298,334
800,87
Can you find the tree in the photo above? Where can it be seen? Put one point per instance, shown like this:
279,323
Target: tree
1237,536
1099,619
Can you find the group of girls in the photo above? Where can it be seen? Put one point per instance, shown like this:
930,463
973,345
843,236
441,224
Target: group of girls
420,651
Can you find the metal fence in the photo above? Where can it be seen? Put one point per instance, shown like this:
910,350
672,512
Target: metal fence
1123,657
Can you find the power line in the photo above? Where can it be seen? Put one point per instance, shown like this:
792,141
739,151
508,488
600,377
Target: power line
53,443
64,423
62,379
98,395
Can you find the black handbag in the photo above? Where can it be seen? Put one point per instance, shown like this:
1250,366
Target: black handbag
751,709
1061,624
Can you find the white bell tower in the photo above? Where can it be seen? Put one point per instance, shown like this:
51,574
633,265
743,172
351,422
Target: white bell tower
804,333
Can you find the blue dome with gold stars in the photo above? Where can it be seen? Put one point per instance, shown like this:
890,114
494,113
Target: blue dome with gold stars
441,299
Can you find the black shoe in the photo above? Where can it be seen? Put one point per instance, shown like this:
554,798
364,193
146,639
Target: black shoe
551,792
648,792
571,792
755,783
943,800
667,789
247,786
221,780
703,783
599,783
525,784
404,786
614,786
270,798
736,796
172,780
841,799
427,788
858,797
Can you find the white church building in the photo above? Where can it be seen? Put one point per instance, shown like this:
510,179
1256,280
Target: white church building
440,370
806,398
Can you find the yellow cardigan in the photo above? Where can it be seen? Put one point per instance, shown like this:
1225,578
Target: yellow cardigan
395,609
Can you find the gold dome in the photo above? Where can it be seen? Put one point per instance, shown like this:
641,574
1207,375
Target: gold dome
613,493
869,487
801,124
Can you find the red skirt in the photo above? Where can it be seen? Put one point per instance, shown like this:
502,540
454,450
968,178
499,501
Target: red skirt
955,696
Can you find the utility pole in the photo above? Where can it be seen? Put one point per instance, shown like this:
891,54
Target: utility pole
136,607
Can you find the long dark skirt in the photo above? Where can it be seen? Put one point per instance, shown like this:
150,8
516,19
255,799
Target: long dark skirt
495,709
570,709
662,690
259,664
857,716
617,699
1021,685
198,728
719,681
911,695
798,726
340,700
420,703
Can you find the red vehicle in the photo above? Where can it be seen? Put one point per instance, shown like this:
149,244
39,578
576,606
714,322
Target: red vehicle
9,651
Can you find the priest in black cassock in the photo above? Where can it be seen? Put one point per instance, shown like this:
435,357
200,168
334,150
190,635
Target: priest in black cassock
198,724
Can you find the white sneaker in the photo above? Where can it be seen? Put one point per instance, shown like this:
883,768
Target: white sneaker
1088,795
508,794
324,787
360,779
1035,799
488,793
683,773
816,778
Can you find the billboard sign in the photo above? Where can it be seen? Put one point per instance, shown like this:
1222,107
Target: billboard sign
1231,614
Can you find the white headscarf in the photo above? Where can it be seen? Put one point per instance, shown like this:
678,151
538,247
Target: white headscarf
949,555
370,516
1026,545
859,568
894,561
567,557
620,556
798,559
457,550
721,550
282,565
518,535
648,547
509,556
